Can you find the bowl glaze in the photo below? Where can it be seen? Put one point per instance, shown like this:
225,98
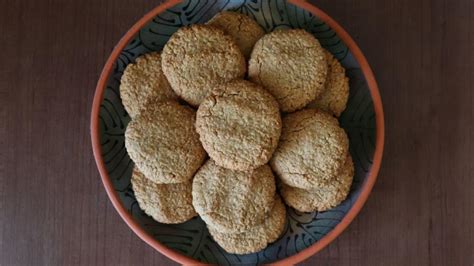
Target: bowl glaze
190,243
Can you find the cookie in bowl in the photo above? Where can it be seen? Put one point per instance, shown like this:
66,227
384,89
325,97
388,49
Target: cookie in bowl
323,198
165,203
245,31
197,58
335,94
144,81
239,125
291,65
163,143
233,201
312,149
257,237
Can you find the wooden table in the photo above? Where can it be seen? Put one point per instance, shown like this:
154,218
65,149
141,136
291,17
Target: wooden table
54,210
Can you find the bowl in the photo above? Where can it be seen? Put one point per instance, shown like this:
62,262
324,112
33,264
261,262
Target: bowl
190,243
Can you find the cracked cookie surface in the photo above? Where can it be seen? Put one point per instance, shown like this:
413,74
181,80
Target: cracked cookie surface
291,65
163,143
165,203
245,31
197,58
311,151
257,237
233,201
142,82
320,199
239,125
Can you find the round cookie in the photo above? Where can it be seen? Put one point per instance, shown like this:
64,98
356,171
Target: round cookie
233,201
311,151
197,58
291,65
239,125
334,97
323,198
245,31
143,81
165,203
163,143
257,237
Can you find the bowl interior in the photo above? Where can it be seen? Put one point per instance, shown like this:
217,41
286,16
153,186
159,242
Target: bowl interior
192,238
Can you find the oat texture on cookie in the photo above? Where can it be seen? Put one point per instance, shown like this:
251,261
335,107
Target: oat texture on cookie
197,58
257,237
245,31
291,65
165,203
144,81
239,125
323,198
311,151
335,95
230,200
163,143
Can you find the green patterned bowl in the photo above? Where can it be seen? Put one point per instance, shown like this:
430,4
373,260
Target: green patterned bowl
190,243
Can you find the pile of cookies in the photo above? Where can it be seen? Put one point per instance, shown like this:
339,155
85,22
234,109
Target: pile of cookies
230,123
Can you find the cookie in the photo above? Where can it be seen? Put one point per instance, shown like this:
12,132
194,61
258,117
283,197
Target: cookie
311,151
320,199
197,58
257,237
143,81
291,65
334,97
163,143
245,31
233,201
239,125
165,203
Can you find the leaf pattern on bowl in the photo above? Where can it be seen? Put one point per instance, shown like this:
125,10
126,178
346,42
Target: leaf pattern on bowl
192,238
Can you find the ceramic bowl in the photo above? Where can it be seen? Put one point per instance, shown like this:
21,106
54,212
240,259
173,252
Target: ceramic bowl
190,243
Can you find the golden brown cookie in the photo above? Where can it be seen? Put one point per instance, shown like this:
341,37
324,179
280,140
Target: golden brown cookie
143,81
245,31
233,201
256,238
320,199
199,57
291,65
166,203
334,97
239,125
163,143
312,149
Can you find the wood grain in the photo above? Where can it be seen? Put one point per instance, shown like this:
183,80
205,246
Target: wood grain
54,210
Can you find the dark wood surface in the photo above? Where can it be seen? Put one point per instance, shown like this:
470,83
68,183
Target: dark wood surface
54,210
